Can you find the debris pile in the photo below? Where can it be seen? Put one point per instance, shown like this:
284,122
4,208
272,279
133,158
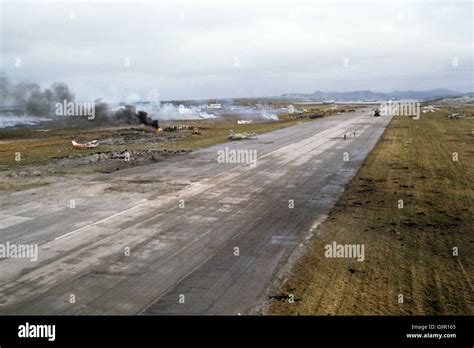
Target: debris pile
240,136
125,156
179,128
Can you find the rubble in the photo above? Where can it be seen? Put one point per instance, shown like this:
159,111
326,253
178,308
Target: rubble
136,157
240,136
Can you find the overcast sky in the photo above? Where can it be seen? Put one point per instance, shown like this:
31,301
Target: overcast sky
199,49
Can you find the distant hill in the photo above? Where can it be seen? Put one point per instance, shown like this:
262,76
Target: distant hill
373,96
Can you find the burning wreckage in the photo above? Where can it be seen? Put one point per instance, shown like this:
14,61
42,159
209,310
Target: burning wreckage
129,115
141,116
147,121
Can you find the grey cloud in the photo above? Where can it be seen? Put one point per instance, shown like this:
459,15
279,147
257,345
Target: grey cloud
187,49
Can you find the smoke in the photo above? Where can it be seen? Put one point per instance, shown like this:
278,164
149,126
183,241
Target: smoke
125,114
15,120
102,111
169,111
28,104
252,113
31,99
128,114
147,121
267,115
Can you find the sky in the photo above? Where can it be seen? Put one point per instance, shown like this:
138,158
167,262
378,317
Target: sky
129,51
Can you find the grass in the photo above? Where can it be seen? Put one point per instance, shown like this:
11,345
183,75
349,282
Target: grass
39,147
408,251
217,133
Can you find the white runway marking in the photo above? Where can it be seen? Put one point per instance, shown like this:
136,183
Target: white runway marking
95,223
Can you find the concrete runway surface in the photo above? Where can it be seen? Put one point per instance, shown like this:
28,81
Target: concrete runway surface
215,255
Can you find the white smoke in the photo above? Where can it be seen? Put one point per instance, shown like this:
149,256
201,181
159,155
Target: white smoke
168,111
252,112
15,120
266,115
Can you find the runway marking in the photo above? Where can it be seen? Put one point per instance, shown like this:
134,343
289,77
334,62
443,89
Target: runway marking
102,220
281,148
319,135
12,220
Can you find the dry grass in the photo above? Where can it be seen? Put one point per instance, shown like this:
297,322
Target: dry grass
39,148
408,251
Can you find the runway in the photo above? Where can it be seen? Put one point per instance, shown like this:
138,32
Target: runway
187,235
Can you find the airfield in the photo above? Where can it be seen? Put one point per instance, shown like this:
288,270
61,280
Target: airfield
182,235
